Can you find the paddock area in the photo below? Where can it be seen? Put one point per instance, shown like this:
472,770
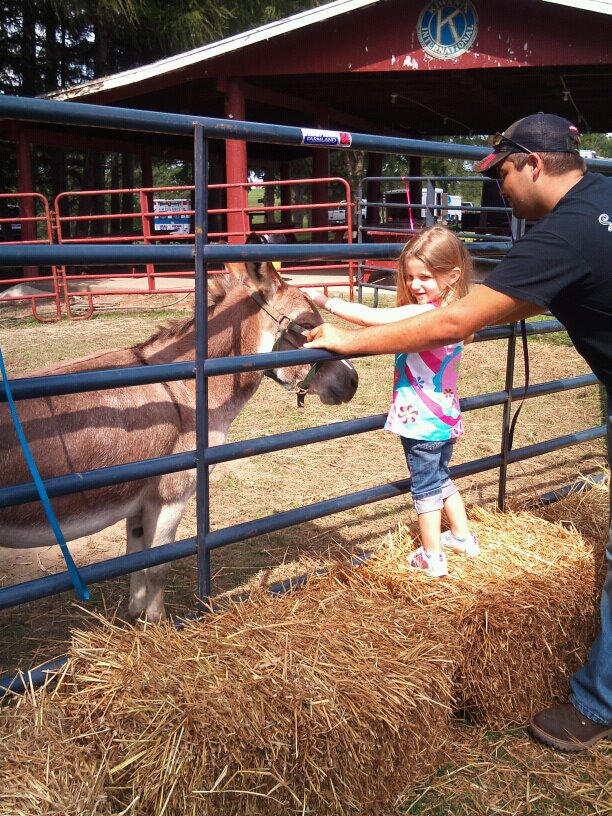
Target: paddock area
258,486
358,746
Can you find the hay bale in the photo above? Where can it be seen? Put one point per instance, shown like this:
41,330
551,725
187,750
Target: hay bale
532,619
328,701
43,771
526,611
335,699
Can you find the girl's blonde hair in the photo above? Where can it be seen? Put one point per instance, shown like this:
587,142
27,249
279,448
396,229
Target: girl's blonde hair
441,252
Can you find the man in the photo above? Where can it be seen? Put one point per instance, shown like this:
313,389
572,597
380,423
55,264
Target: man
563,264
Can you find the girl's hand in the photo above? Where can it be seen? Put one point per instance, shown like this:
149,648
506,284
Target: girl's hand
318,298
329,337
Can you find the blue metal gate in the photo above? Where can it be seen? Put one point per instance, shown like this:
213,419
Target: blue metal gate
201,254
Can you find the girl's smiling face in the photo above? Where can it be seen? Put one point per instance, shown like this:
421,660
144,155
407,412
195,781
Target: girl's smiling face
421,283
434,265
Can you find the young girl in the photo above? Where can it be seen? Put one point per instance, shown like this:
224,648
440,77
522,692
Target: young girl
434,270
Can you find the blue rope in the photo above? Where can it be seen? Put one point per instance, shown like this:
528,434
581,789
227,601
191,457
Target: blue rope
77,582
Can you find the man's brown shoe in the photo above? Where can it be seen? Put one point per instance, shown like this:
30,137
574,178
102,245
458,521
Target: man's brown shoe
564,727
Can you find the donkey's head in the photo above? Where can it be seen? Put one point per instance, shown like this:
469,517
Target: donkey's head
287,314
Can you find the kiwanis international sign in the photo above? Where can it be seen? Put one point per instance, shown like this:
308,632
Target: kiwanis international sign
447,28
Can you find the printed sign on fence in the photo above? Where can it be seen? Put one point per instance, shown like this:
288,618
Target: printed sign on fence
173,221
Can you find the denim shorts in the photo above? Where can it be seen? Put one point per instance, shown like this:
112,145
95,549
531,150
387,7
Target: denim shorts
428,463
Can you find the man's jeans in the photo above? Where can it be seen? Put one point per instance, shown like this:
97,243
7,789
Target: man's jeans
592,684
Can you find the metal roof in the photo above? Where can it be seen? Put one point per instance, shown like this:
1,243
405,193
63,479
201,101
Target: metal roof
357,65
600,6
257,35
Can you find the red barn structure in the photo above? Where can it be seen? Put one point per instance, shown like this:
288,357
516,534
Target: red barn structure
416,68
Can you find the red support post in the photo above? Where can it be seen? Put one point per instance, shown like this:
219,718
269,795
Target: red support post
320,193
236,166
25,184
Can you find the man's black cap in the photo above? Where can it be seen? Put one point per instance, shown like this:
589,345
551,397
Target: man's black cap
539,133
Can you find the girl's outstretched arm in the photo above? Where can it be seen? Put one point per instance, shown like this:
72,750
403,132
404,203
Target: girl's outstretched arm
359,313
437,327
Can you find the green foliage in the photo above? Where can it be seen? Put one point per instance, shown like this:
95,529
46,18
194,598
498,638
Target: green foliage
52,44
601,143
399,165
246,14
49,45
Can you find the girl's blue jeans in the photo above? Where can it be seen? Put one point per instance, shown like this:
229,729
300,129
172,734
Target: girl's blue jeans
428,463
592,684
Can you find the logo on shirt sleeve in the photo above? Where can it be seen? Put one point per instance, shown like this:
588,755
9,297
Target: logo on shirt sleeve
604,220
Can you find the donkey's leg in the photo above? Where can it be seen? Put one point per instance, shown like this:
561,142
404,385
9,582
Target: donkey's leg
160,523
138,582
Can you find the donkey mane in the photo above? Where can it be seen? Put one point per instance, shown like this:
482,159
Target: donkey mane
168,330
218,288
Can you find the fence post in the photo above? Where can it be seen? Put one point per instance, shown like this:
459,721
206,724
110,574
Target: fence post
360,230
430,201
503,468
201,318
144,197
517,229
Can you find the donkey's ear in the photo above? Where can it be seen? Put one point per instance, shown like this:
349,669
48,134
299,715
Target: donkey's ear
264,277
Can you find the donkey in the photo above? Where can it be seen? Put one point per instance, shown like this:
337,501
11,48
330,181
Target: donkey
251,309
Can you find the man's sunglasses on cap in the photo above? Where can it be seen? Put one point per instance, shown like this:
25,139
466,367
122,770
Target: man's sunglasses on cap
500,140
503,146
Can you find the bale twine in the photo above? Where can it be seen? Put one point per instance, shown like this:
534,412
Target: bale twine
330,701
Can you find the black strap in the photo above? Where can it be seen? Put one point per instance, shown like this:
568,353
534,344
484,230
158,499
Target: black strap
526,360
285,324
525,353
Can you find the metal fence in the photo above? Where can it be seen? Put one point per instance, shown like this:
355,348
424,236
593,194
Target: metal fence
201,253
163,215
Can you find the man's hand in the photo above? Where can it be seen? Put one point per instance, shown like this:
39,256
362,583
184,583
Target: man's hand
330,337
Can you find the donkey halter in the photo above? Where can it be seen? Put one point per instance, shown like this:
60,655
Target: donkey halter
284,324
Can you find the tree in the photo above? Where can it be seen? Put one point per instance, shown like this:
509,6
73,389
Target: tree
601,143
246,14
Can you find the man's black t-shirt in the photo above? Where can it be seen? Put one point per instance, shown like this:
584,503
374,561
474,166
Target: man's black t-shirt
564,263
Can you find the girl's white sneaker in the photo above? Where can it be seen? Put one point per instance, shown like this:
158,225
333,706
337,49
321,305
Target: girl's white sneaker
434,565
469,547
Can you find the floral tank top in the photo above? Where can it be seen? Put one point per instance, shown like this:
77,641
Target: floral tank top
425,399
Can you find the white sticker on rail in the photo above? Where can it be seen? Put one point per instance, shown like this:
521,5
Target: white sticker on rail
326,138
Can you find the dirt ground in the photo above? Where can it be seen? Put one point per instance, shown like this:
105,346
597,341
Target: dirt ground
259,486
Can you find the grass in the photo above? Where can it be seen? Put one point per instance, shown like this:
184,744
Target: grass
554,339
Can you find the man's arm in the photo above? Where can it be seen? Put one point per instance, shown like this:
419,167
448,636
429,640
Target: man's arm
451,324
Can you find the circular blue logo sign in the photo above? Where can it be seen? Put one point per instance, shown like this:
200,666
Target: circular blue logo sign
447,28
